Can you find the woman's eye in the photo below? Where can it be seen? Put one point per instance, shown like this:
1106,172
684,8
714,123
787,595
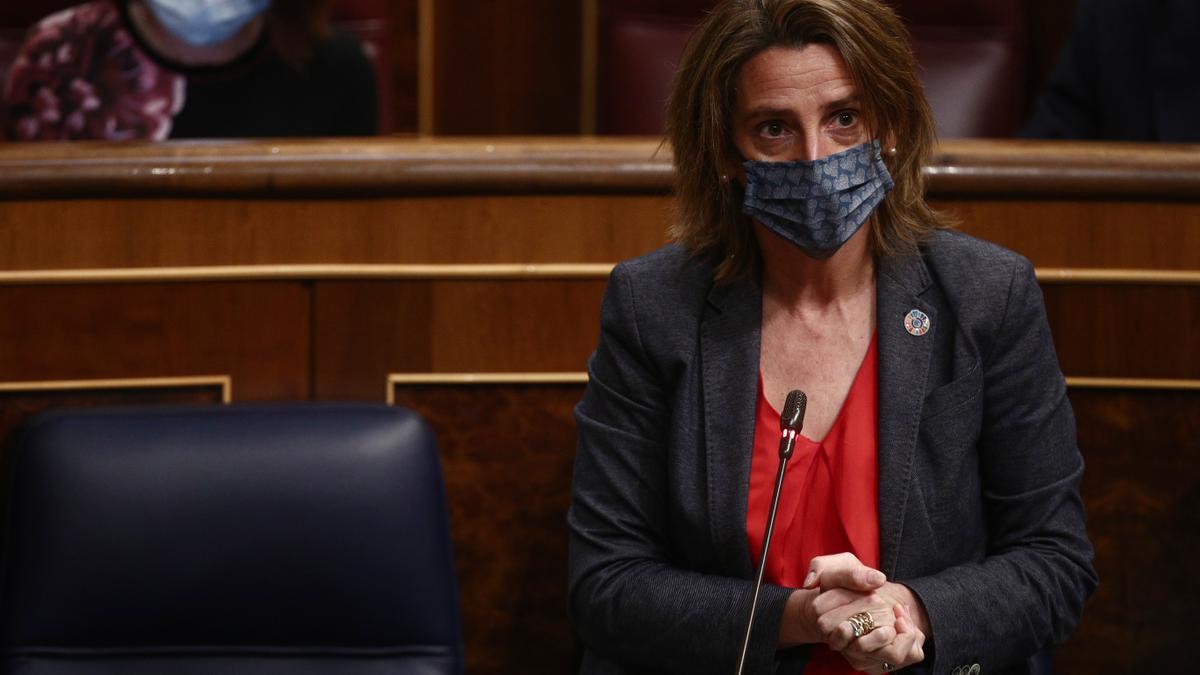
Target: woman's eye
773,129
846,118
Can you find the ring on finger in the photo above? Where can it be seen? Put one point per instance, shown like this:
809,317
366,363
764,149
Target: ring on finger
862,623
887,667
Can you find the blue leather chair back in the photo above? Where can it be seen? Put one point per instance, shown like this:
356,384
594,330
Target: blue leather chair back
267,539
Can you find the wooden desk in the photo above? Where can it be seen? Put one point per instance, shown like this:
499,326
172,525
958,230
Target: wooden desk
316,269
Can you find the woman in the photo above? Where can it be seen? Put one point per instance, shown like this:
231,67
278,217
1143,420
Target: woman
159,69
938,446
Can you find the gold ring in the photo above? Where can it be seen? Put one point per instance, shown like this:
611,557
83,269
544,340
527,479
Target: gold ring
862,623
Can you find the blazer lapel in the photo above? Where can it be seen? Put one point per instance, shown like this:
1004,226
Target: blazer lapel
729,350
903,371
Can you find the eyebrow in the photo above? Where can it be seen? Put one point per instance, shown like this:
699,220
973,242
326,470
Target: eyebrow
772,111
768,111
844,102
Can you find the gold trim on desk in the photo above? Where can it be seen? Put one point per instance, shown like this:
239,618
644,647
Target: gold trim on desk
425,379
1132,383
290,272
1082,275
225,382
498,271
467,379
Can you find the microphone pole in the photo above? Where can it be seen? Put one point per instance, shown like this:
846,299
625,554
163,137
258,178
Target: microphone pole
790,423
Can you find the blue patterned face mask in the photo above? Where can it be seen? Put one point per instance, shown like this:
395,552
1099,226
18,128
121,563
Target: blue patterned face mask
206,22
817,205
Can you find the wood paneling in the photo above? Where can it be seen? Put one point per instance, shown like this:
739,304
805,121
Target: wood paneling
465,229
364,329
389,167
531,201
1087,233
334,167
255,333
506,454
1142,491
1057,169
1104,330
17,403
517,228
508,67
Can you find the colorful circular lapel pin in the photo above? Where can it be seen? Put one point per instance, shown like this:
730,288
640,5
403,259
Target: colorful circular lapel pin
916,322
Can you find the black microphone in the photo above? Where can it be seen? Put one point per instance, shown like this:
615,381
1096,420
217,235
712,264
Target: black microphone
790,423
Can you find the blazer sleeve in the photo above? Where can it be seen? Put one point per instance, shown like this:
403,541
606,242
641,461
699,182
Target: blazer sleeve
1030,588
630,602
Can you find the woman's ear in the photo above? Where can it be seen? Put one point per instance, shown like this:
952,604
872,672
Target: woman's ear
732,171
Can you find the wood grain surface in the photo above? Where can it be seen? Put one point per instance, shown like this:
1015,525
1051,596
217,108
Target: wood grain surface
256,334
366,329
506,454
975,168
1142,492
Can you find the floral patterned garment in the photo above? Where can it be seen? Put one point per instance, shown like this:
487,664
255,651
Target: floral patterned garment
81,75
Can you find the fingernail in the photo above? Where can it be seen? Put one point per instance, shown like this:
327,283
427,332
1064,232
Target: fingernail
808,580
876,577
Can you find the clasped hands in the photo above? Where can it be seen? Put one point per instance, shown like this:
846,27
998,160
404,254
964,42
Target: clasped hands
839,587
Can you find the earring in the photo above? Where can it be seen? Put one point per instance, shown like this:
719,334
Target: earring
892,151
724,178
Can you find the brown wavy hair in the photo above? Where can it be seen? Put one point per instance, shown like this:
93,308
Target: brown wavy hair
875,46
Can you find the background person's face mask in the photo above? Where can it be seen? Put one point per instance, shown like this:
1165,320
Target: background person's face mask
817,205
206,22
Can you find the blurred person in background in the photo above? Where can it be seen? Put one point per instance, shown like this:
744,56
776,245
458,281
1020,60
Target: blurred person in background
1128,72
159,69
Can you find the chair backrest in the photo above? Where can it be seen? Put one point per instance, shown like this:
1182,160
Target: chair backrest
973,63
266,539
971,55
639,43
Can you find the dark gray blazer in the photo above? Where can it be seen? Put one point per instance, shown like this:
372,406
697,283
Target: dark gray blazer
979,507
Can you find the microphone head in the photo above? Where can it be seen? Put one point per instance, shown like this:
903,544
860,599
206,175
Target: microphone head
793,411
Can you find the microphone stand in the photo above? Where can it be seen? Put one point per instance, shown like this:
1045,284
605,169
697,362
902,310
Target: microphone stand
788,441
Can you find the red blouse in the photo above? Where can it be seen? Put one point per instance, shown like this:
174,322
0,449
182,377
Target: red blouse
830,493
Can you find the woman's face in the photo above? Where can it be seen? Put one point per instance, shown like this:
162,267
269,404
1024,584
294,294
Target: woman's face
796,103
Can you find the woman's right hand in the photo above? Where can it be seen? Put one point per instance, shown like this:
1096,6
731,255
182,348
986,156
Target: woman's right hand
840,571
886,649
839,586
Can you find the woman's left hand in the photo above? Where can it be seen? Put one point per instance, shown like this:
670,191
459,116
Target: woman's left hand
906,648
899,634
835,606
